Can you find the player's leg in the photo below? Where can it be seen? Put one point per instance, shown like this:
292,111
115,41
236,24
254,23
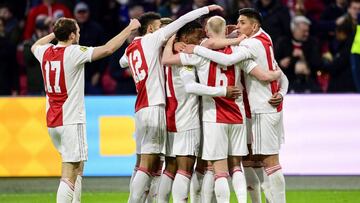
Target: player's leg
268,134
215,149
181,186
151,131
65,193
252,180
237,134
196,180
208,184
166,180
78,184
155,182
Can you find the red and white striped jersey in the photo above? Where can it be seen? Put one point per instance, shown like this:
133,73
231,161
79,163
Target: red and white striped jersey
143,58
63,73
182,108
259,92
217,109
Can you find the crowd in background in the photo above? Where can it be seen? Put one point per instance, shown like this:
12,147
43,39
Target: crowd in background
312,39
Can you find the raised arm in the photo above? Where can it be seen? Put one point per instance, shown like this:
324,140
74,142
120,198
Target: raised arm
42,41
168,57
115,43
219,43
220,58
173,27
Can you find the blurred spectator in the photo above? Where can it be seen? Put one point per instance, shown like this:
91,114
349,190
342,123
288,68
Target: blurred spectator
332,16
110,19
276,18
341,79
352,14
9,73
299,48
355,55
236,6
173,9
122,76
35,85
91,34
303,82
12,29
48,8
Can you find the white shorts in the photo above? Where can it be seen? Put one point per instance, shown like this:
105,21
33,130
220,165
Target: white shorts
150,130
186,143
268,133
222,140
70,141
169,145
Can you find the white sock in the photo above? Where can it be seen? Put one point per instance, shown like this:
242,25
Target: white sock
141,181
195,187
277,183
154,188
239,184
77,191
65,191
253,184
181,187
264,183
222,190
166,182
207,188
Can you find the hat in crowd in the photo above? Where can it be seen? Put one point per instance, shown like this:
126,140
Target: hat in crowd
81,6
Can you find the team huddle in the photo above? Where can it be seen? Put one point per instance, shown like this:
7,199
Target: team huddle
209,106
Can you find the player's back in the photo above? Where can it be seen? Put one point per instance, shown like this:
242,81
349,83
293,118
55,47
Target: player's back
144,60
182,108
221,109
260,92
63,73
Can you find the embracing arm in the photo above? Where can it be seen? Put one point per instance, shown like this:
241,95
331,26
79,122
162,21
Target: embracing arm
265,75
168,57
221,58
284,84
173,27
219,43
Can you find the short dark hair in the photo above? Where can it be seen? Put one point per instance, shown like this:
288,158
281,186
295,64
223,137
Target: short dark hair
188,28
63,28
251,13
146,19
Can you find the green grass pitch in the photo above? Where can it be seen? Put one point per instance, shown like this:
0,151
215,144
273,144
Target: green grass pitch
292,196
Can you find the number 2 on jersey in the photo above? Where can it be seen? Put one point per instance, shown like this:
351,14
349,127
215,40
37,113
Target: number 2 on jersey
52,66
136,66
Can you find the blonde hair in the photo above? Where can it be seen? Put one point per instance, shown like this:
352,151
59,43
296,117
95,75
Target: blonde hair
216,24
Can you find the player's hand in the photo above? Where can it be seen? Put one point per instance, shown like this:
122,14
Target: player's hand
214,8
189,49
230,29
233,92
179,46
276,99
134,24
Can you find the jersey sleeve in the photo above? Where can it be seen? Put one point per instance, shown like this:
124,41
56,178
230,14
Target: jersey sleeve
284,84
241,53
191,60
163,34
124,61
81,54
40,50
188,77
248,65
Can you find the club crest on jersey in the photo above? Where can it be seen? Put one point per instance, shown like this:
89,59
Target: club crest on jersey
83,49
188,68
